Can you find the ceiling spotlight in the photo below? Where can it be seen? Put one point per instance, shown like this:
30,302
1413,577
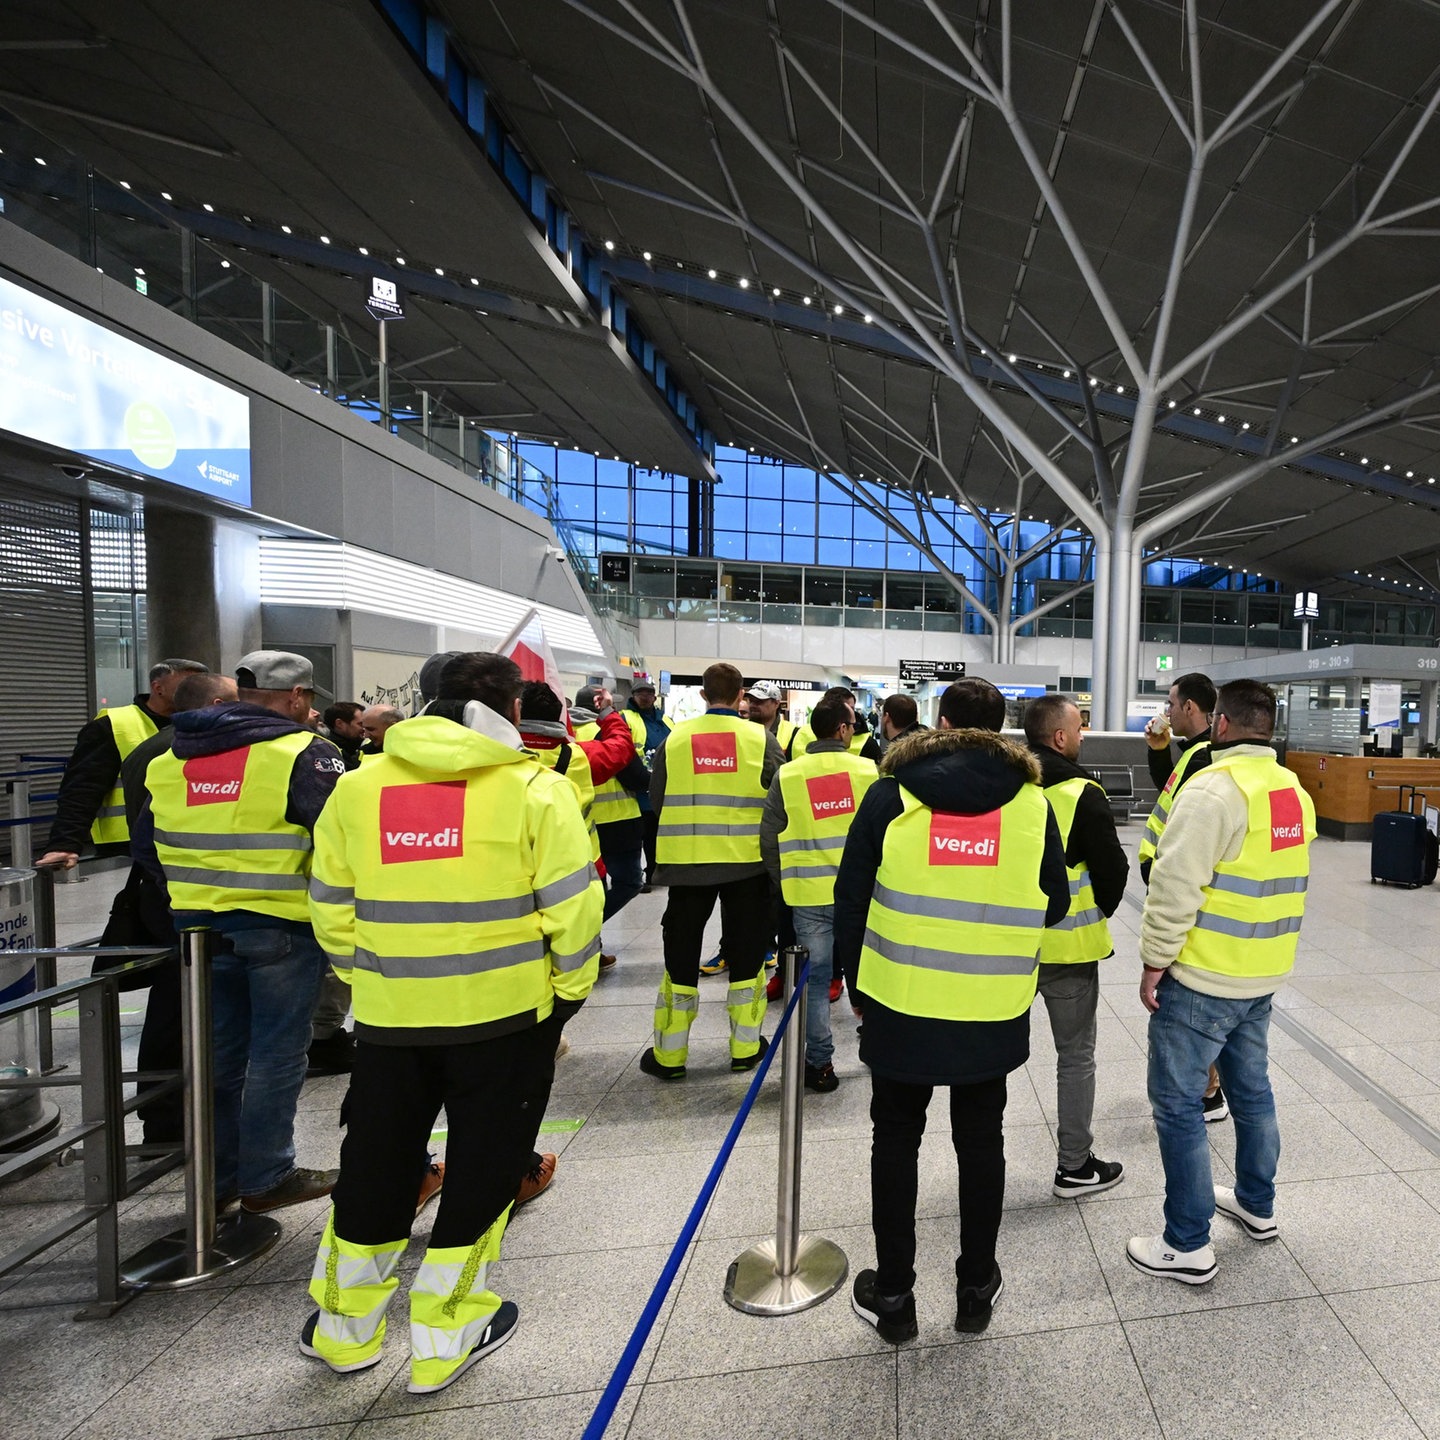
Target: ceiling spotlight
744,283
363,250
609,244
1221,419
1172,404
1364,459
139,269
711,274
1294,439
805,300
1014,358
776,292
869,319
1197,409
399,259
285,229
839,309
1093,383
1409,474
164,194
324,239
1065,375
1119,389
1385,468
208,209
1244,424
124,184
224,264
473,280
39,160
646,255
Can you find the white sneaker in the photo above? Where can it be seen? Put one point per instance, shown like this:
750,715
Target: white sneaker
1257,1227
1151,1254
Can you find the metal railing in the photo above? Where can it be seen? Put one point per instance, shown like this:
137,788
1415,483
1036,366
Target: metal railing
24,798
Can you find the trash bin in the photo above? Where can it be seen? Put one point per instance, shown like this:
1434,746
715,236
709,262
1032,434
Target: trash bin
23,1113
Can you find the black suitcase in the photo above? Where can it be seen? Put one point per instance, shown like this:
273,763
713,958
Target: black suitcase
1402,849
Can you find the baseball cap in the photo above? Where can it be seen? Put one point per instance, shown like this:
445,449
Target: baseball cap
642,685
276,670
765,690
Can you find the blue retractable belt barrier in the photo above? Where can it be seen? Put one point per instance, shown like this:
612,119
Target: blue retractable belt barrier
625,1367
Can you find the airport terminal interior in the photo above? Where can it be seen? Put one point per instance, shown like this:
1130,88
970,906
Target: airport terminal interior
1076,346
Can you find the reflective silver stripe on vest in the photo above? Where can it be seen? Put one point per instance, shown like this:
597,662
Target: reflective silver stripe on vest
193,840
233,879
1156,819
323,894
613,799
809,872
439,967
111,812
835,842
1079,920
1242,930
1076,886
682,831
565,888
949,961
443,912
720,802
576,959
968,910
1260,889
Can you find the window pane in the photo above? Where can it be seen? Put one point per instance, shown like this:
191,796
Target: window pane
695,580
740,582
863,590
902,593
825,587
654,577
782,585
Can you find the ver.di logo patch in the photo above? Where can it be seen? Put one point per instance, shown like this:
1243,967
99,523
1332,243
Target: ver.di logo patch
830,796
215,779
714,754
964,839
422,822
1287,820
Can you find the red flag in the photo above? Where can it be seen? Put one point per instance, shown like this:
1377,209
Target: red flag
527,646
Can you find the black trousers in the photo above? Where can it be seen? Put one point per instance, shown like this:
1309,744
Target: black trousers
897,1113
747,925
162,1048
494,1094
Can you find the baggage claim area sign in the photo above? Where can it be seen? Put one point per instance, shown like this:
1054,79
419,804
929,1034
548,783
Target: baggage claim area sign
914,673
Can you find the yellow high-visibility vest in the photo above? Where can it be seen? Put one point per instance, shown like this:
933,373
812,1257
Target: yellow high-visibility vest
1249,920
822,791
221,832
130,725
713,792
428,890
805,738
1084,933
954,926
636,721
577,772
1156,820
612,800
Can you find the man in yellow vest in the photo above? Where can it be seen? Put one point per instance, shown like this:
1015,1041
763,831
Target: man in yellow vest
766,699
227,821
1217,938
1070,953
1187,716
808,811
708,789
90,805
952,868
453,887
862,742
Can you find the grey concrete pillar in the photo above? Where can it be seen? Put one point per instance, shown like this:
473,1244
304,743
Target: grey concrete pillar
1429,711
181,605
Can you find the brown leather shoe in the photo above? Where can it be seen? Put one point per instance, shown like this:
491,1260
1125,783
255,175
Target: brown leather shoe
430,1184
536,1181
607,962
297,1187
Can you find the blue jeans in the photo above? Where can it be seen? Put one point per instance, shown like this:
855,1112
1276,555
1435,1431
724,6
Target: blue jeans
1189,1033
815,930
264,989
624,874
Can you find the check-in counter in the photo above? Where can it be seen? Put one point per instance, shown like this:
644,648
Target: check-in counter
1350,790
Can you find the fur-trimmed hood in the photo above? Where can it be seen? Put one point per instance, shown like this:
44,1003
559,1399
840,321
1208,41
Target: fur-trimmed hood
968,772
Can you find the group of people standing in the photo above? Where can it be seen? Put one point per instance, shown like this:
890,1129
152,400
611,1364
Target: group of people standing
452,886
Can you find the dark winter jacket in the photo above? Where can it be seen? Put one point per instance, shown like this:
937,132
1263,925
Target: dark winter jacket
1093,838
89,777
969,772
214,730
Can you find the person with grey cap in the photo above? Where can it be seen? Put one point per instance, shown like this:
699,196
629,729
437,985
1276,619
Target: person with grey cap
767,708
226,822
90,805
649,727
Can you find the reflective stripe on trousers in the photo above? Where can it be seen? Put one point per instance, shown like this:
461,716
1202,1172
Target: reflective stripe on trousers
676,1007
451,1305
352,1284
745,1002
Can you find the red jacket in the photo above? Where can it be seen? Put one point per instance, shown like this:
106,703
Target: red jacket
609,753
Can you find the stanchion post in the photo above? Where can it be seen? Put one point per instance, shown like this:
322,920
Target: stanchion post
209,1243
22,847
45,965
792,1272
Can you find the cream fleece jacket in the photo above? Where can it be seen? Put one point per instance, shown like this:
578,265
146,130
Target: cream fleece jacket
1206,826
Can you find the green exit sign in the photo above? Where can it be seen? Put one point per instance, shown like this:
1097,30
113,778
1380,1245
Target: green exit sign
1164,662
142,284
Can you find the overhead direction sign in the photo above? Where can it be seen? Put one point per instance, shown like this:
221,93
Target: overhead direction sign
384,300
922,672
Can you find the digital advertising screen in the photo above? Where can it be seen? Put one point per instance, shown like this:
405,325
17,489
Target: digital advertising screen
68,382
